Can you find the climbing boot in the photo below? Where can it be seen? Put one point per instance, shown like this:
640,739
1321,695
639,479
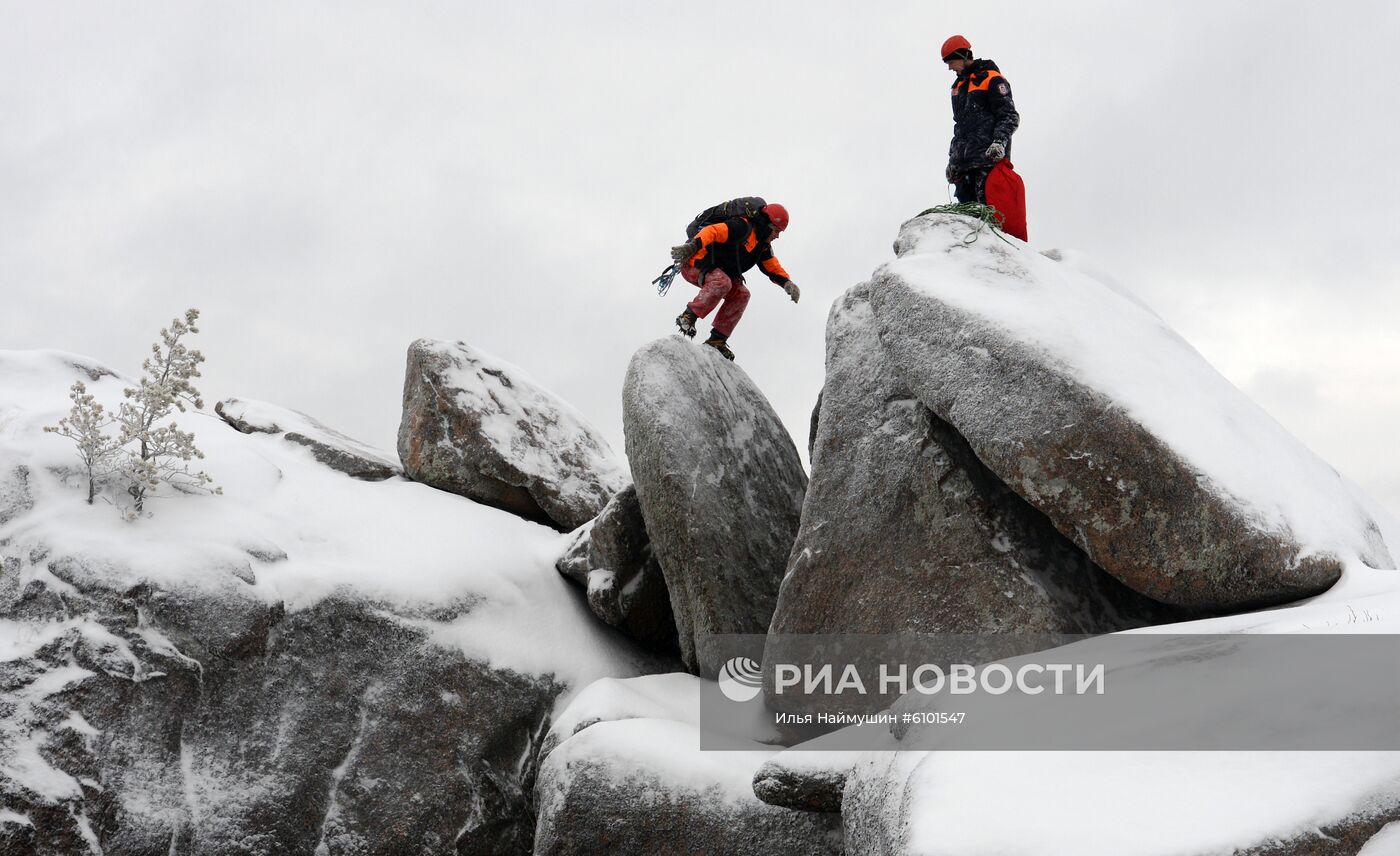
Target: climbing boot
718,342
686,322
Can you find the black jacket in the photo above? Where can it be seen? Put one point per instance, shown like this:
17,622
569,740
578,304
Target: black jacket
736,245
983,112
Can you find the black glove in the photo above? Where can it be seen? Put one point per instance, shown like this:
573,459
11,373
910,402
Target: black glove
684,251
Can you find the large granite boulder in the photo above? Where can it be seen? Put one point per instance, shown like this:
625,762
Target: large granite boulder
904,529
612,559
328,446
343,726
479,427
1086,404
623,773
721,488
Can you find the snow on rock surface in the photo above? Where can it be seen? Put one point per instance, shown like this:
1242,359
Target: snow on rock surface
1385,843
903,529
623,773
721,488
1083,401
327,445
1118,804
948,803
307,663
479,427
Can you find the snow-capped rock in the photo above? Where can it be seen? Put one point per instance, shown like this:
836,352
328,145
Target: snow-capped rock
305,663
327,445
1086,404
612,559
625,775
911,803
904,530
1001,344
479,427
720,485
908,801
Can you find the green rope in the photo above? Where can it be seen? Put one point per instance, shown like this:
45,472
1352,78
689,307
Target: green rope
985,215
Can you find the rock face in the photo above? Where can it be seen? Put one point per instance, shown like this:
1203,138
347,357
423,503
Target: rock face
613,560
1104,477
328,446
591,803
305,663
624,780
720,485
904,530
155,720
476,426
784,781
15,498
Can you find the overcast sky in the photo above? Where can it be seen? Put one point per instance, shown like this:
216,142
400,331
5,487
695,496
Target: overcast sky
329,181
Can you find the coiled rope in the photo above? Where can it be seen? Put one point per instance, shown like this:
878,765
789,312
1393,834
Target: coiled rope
985,215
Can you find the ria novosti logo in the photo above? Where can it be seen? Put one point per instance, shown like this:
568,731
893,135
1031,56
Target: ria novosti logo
741,679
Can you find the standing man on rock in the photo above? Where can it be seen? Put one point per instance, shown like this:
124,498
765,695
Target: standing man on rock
984,118
715,260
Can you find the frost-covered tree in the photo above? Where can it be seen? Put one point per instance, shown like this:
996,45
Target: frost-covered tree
158,453
86,425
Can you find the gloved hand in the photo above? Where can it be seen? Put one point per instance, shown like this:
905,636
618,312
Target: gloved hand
792,290
995,152
950,174
684,251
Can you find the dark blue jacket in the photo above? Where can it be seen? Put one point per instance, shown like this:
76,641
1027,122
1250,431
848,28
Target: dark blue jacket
983,112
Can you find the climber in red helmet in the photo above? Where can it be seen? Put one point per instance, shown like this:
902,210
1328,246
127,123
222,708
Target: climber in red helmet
735,236
984,118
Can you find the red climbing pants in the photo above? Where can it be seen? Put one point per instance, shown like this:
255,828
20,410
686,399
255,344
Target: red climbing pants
718,286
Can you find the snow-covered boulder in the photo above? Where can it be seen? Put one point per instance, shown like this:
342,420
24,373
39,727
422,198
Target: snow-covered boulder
910,801
305,663
721,488
612,559
624,774
1090,407
326,445
904,530
479,427
343,724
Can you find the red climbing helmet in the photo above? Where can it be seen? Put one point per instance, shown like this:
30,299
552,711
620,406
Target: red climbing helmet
954,43
777,215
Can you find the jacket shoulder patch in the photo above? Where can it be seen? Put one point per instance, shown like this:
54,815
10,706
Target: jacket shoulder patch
1003,89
